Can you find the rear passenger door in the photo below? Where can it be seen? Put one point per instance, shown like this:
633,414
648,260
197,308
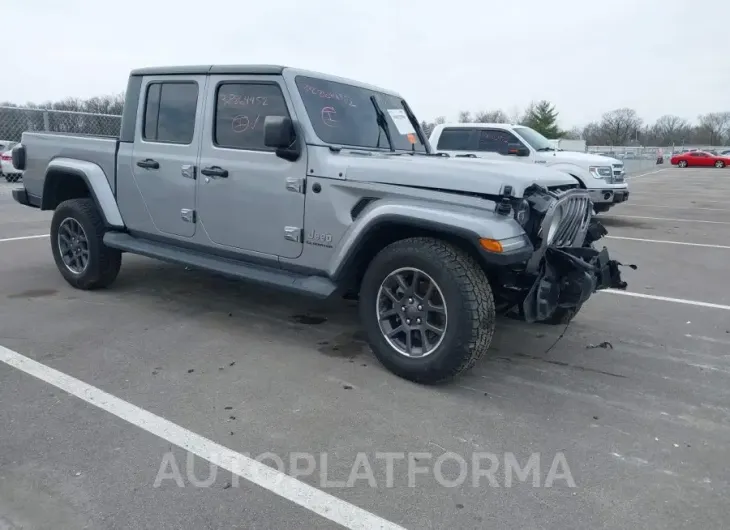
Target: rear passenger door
248,198
165,150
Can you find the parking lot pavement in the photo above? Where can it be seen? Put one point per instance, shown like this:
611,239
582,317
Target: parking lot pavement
633,396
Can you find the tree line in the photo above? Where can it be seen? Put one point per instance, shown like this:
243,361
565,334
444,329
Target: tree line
619,127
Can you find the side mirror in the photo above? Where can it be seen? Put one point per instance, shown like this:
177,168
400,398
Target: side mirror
517,150
279,133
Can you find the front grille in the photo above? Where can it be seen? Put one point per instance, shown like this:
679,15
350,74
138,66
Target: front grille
576,215
576,209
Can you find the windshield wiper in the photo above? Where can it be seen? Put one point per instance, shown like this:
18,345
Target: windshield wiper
416,127
382,123
546,149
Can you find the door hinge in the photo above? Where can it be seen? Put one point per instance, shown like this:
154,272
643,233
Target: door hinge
188,215
295,184
188,171
293,233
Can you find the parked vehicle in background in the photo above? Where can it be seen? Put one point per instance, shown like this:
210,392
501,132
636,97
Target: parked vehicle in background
213,171
602,177
699,159
725,152
7,169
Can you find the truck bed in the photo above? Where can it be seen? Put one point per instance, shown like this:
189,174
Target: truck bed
43,147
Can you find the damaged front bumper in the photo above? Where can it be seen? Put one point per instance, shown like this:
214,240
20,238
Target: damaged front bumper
567,278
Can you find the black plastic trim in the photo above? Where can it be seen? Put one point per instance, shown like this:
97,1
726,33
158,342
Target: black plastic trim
21,196
232,69
316,286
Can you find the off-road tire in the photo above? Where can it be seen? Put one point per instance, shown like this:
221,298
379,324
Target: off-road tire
104,262
468,298
601,208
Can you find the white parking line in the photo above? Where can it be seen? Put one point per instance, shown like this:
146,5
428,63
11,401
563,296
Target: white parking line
632,177
667,299
668,219
281,484
7,240
706,245
685,196
677,207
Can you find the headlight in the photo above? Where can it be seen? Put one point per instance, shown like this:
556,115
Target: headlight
601,172
522,213
554,224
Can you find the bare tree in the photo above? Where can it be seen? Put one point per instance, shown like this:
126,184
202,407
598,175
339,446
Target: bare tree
620,126
464,116
668,130
491,116
717,125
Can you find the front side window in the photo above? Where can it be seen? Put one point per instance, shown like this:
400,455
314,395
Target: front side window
170,112
496,140
345,115
240,111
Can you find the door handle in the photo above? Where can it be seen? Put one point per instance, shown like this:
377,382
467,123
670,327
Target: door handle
215,171
148,163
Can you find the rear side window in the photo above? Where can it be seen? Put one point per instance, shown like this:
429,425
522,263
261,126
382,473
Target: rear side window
240,111
457,139
495,141
170,112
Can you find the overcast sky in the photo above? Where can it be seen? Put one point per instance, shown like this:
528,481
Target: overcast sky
656,56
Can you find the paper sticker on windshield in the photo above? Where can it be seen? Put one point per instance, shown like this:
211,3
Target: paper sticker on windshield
402,123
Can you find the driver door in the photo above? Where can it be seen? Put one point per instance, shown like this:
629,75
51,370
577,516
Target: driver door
493,144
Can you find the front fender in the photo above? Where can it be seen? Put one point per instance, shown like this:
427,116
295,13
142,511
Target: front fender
582,175
468,223
97,183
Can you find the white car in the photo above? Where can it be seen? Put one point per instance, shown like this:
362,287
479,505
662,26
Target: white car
601,176
7,168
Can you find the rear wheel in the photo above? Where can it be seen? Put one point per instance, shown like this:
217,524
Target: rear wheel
77,231
719,163
682,163
427,309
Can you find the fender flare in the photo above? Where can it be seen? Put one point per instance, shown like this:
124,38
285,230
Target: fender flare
97,183
457,221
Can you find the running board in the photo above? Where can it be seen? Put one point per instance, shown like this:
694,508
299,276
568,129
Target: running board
316,286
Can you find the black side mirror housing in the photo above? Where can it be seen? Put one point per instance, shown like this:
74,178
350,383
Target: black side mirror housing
280,133
517,150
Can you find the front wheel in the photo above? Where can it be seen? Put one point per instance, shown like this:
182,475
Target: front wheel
427,309
77,231
719,163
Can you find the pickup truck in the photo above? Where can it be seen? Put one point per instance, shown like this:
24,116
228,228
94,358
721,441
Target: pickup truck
602,177
320,186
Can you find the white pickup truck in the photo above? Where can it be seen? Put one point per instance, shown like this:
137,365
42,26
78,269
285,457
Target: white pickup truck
601,176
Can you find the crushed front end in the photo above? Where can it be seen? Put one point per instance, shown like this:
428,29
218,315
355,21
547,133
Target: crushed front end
565,269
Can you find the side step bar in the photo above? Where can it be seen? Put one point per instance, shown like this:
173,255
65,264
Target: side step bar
315,286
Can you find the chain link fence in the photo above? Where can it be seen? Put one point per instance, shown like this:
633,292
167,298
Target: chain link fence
15,120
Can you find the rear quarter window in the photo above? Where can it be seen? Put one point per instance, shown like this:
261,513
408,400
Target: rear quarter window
457,139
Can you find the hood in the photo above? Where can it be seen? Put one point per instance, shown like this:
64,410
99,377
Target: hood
588,159
475,175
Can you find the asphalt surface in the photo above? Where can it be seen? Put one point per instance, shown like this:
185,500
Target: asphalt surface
634,395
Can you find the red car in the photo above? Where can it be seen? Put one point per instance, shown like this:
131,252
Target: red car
699,159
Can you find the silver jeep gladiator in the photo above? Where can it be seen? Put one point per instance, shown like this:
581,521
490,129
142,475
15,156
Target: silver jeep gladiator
325,187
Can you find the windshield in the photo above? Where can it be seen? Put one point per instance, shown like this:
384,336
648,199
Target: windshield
536,140
345,115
